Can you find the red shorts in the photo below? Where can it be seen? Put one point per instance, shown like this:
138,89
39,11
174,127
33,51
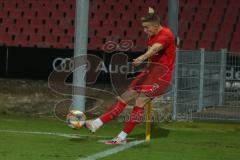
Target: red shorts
151,83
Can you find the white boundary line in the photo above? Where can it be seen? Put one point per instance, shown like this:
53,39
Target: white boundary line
112,151
67,135
53,134
92,157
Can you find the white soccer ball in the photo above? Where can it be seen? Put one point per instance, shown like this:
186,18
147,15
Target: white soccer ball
75,119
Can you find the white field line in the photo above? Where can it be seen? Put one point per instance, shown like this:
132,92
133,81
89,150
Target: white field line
67,135
112,151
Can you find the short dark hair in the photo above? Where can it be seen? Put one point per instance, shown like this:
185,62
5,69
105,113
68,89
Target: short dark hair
151,17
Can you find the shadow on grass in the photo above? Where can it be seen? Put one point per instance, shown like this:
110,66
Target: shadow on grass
156,133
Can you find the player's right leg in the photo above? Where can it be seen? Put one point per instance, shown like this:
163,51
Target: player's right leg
115,110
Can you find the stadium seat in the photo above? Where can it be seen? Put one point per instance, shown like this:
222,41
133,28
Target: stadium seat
185,16
132,33
36,39
13,30
220,44
140,45
65,23
21,40
130,16
123,24
117,32
194,34
102,33
66,41
108,24
197,25
9,5
58,31
209,35
43,13
207,44
15,14
95,43
6,39
235,47
201,17
182,34
51,40
189,44
193,2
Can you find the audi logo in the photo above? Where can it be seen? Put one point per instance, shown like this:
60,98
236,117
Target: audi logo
63,64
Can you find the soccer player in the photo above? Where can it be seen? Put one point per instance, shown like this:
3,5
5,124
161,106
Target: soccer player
150,83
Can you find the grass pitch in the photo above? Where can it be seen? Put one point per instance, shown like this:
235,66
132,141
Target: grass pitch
170,141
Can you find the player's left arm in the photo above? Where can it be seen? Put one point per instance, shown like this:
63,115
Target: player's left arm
155,48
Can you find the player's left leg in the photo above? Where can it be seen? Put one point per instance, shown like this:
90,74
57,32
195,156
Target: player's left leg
111,113
135,118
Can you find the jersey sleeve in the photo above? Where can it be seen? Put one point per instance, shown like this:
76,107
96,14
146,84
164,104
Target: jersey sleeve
165,40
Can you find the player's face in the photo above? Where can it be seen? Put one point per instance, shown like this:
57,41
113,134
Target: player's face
150,28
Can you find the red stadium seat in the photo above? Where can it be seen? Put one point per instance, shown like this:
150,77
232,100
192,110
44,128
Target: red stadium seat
140,45
181,34
220,44
130,15
189,44
66,41
43,14
56,14
207,2
209,35
108,24
12,30
117,32
201,17
133,34
212,26
102,33
42,30
58,31
9,5
207,44
36,39
113,16
51,40
8,22
5,38
215,18
123,24
193,2
184,25
21,40
185,16
235,47
193,34
95,43
65,23
105,8
29,14
197,25
15,14
23,22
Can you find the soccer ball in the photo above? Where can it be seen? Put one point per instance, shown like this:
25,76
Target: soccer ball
75,119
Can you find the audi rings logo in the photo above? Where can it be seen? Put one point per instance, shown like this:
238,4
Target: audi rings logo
63,64
112,46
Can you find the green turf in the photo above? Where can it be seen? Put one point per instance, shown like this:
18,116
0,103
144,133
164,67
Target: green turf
170,141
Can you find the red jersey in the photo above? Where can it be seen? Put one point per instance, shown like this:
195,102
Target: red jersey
157,76
166,56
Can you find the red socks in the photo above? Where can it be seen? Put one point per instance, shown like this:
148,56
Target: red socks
115,110
135,118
